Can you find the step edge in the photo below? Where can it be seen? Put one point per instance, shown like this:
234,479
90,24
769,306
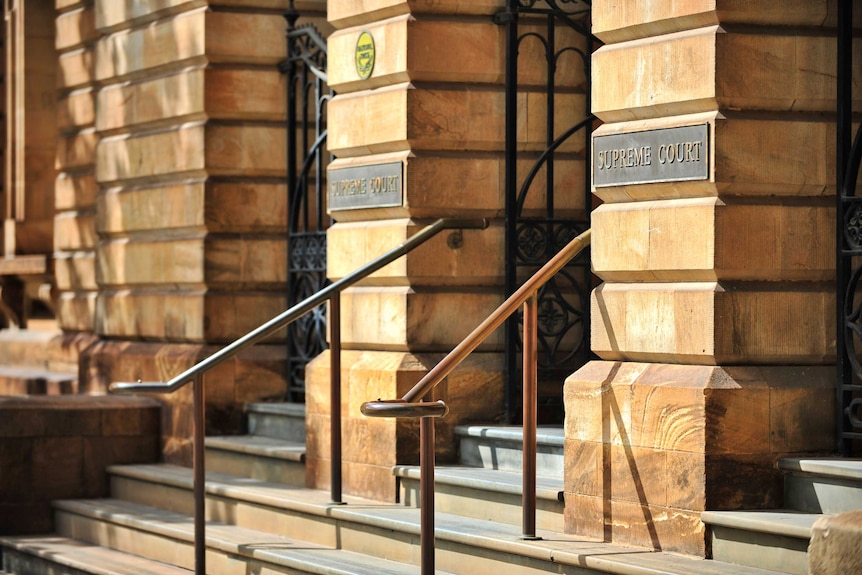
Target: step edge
498,542
823,467
297,553
283,409
761,522
270,452
444,475
545,436
83,564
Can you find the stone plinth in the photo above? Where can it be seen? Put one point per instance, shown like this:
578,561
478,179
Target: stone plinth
834,548
433,102
256,374
651,446
59,448
720,282
371,446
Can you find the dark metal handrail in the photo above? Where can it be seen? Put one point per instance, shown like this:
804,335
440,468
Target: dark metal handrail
330,293
408,405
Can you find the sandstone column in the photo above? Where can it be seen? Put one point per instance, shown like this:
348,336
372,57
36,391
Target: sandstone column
432,109
191,202
715,321
75,188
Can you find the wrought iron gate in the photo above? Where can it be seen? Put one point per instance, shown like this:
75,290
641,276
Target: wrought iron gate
848,243
536,230
307,96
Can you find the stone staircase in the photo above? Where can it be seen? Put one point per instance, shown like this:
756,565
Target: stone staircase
778,539
256,525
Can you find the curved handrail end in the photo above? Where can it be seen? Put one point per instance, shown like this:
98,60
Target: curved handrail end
130,387
401,408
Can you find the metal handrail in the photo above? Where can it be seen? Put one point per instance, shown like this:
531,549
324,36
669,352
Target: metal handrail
526,295
330,293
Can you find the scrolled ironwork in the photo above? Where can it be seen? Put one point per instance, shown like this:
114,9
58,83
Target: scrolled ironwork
531,238
848,243
307,98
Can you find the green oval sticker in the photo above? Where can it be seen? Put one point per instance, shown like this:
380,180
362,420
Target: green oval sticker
365,55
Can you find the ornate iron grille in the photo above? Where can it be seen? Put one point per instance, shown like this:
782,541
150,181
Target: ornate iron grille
534,233
307,96
849,245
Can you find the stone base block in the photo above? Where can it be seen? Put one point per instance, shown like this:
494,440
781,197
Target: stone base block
59,447
474,393
256,374
834,547
651,446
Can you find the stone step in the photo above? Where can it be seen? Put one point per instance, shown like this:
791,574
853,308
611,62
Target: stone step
464,545
771,539
257,457
55,555
168,537
500,447
36,381
485,494
822,485
280,420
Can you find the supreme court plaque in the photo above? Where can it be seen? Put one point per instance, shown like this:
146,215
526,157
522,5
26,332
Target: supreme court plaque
372,186
651,156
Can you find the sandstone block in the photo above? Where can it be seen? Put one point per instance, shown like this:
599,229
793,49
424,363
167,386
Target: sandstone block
218,206
709,239
247,264
76,110
358,12
75,272
647,441
76,310
353,245
416,49
454,185
74,190
401,318
118,14
733,324
640,18
75,28
76,68
738,168
128,157
194,37
712,68
256,150
185,315
76,151
833,549
404,116
473,391
74,231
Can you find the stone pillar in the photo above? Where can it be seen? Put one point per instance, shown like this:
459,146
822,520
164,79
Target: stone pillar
432,106
715,322
75,188
191,202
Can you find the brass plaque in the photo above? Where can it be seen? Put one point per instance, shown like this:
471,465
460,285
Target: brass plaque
364,55
651,156
372,186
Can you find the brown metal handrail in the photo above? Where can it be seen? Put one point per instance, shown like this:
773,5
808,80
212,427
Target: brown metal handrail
330,293
407,406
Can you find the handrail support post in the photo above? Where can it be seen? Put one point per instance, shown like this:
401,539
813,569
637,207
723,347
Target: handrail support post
335,396
530,358
426,494
199,408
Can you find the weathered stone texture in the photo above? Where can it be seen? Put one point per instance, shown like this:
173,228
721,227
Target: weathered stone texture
653,444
